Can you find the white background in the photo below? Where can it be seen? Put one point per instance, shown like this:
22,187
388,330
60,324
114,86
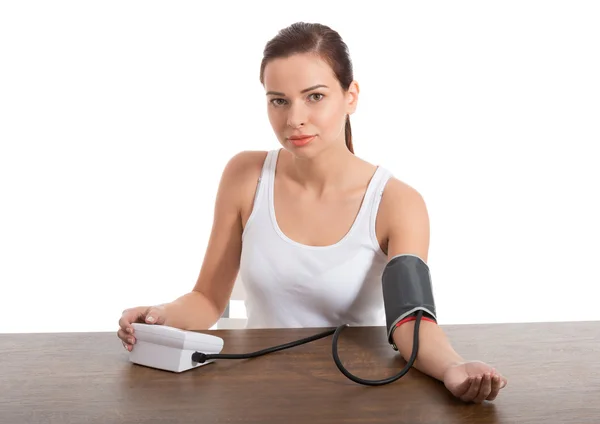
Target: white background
117,118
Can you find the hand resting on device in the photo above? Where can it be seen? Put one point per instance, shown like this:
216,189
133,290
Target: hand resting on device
141,314
193,310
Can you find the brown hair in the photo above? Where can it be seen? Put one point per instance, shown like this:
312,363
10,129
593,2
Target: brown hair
302,37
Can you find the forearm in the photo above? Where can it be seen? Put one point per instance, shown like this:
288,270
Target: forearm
192,311
435,353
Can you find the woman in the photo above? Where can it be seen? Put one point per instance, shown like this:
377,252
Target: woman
310,226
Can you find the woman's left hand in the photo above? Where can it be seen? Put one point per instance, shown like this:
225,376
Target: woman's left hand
474,381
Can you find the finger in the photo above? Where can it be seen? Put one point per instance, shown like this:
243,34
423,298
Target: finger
473,390
496,385
125,322
126,345
463,387
126,337
485,389
155,316
129,316
122,334
503,380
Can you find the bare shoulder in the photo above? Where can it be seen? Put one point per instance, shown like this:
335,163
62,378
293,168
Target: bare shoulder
399,194
404,220
240,179
245,163
242,170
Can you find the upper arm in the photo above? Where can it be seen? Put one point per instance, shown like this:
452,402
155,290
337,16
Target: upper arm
222,257
406,220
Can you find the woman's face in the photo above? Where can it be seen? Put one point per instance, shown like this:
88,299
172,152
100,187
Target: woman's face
306,105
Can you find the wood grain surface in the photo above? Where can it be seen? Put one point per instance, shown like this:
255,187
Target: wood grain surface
553,372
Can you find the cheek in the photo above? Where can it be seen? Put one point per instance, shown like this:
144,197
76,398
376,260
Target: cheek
276,119
328,117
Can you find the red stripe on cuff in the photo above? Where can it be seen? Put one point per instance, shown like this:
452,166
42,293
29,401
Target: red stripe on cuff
413,318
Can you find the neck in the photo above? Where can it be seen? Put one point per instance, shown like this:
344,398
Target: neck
329,170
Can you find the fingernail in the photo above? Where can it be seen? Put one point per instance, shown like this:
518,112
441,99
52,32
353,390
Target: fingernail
129,330
150,319
130,340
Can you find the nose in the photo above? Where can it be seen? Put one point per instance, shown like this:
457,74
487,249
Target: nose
297,115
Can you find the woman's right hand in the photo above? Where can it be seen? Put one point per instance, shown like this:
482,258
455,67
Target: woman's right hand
142,314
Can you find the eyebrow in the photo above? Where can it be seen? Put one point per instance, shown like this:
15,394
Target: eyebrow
277,93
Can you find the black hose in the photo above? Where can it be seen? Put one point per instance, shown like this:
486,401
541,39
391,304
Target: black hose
200,357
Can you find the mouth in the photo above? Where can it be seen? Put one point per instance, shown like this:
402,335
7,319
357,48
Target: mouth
301,140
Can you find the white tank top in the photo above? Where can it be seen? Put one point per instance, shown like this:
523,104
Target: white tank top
289,284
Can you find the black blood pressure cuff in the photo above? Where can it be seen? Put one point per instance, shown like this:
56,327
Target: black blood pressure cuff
407,290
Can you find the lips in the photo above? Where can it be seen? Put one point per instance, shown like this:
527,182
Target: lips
301,140
300,137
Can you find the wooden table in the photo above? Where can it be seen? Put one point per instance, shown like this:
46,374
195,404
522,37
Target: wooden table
553,371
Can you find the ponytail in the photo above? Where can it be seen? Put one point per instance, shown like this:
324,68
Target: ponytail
349,135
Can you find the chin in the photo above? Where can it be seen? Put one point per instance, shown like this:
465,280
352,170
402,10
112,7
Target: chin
305,152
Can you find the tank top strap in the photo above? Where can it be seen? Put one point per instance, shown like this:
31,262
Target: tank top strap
375,190
261,195
271,162
383,176
266,175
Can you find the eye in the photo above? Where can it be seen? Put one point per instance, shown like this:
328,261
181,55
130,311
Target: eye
317,94
274,102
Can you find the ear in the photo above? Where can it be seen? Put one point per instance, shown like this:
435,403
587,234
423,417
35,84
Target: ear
352,97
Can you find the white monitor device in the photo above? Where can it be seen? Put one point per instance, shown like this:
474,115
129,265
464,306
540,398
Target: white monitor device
169,348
